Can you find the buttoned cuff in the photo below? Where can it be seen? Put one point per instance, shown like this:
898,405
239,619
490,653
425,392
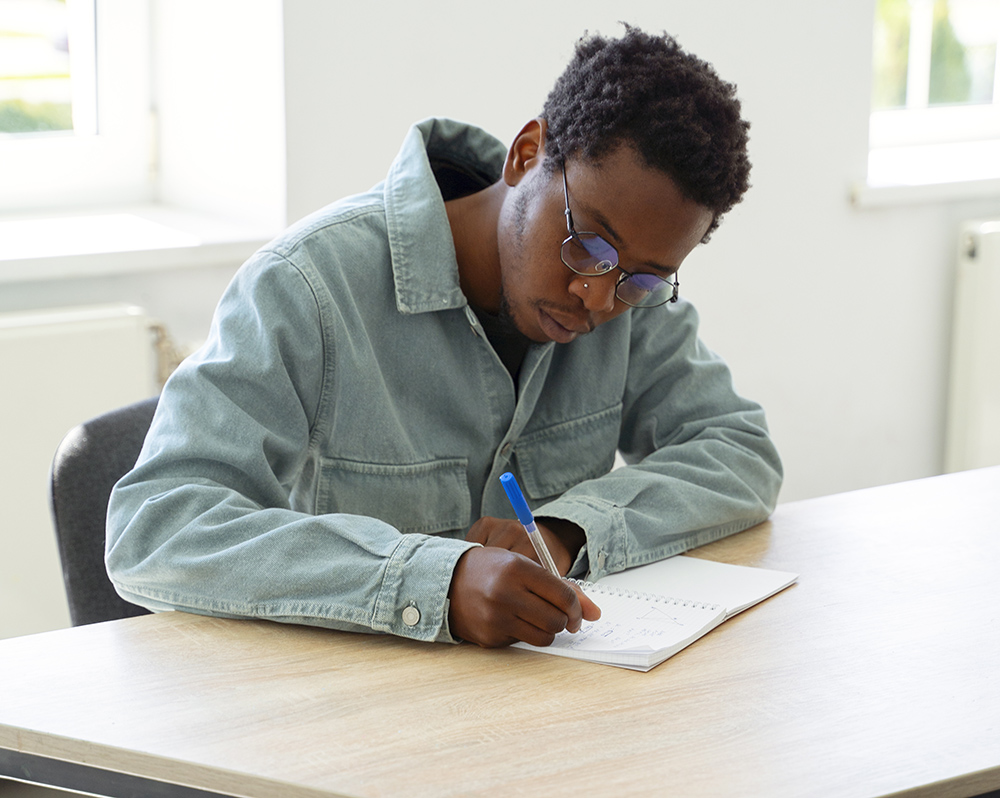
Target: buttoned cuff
413,599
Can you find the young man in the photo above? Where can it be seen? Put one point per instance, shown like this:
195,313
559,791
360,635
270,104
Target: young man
331,455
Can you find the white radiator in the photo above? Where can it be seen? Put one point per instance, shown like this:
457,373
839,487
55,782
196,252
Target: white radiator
973,424
57,369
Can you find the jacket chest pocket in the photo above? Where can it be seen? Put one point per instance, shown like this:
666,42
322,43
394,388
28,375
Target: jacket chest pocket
554,459
428,498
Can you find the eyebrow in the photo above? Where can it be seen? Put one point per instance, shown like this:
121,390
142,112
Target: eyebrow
602,220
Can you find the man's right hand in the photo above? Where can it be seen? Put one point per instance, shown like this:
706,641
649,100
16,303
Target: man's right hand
498,597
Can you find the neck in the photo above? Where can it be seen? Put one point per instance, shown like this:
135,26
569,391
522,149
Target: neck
473,221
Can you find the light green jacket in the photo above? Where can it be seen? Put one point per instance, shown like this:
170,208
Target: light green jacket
320,459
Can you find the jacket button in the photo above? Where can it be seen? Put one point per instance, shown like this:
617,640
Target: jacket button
411,616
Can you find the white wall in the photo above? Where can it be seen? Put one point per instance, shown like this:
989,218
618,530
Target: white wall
218,96
836,318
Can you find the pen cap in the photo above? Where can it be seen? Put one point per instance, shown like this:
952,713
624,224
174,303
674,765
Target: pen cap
516,499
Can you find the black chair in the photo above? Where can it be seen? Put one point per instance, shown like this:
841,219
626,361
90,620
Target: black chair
89,461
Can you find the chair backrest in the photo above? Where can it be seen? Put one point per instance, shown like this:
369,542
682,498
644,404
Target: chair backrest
89,461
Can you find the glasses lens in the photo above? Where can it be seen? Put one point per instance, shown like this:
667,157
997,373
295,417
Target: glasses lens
643,290
587,253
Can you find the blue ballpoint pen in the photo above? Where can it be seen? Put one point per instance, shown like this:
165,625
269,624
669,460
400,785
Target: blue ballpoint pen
528,522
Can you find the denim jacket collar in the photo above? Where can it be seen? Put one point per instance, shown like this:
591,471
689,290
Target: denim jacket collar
418,228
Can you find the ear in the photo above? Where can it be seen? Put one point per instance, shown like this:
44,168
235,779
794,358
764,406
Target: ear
527,151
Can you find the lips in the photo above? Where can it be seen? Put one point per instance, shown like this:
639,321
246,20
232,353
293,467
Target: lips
557,330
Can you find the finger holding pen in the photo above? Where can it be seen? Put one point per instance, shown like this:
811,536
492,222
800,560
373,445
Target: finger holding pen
507,533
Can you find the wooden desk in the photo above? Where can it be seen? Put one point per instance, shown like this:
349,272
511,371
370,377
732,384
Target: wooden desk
877,674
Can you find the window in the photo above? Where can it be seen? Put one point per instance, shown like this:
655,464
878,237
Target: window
41,70
74,103
935,92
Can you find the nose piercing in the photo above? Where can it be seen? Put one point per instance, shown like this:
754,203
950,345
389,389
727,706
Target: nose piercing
586,286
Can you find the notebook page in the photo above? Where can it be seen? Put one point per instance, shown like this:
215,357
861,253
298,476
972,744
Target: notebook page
634,623
735,587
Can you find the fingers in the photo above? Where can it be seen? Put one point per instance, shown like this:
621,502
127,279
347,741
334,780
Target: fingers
560,593
507,534
479,532
502,533
591,612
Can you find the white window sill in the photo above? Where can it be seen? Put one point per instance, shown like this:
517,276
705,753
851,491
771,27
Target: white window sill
864,196
118,240
930,173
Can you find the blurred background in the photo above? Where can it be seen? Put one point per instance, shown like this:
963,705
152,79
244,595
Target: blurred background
147,147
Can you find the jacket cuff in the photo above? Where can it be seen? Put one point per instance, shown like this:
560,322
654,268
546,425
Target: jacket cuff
413,599
604,525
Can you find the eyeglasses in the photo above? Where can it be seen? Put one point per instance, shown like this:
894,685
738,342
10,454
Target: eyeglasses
590,255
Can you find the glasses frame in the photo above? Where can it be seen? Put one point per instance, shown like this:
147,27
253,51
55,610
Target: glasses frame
574,235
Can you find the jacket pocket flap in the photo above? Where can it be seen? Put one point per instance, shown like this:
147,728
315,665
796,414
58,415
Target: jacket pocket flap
428,497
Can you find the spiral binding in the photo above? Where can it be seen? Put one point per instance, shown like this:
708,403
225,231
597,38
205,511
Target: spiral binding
608,590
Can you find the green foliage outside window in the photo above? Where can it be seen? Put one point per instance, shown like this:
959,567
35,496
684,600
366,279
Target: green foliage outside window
960,71
18,116
891,52
950,76
35,91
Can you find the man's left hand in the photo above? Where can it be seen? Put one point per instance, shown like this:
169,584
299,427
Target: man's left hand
564,539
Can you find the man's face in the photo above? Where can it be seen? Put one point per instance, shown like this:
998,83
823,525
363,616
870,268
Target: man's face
636,209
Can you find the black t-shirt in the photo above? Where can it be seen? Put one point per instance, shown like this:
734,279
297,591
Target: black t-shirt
510,344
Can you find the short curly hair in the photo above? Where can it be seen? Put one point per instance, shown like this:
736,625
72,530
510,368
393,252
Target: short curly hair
647,92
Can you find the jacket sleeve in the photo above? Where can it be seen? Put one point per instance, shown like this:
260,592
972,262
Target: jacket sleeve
211,519
700,463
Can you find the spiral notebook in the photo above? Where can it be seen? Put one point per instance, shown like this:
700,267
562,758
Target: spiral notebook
650,613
